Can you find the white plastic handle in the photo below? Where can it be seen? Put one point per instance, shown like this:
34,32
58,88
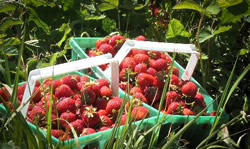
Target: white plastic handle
160,46
70,67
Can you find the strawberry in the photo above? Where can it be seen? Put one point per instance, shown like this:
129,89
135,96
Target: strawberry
67,116
104,66
140,38
172,96
133,102
66,104
174,108
154,54
145,80
141,58
213,113
90,117
152,94
4,94
189,89
141,67
174,80
105,91
84,78
104,128
99,43
48,83
63,91
106,48
158,64
126,73
187,111
156,105
102,82
125,86
139,113
123,119
88,96
113,106
87,131
128,62
199,97
141,97
135,89
101,103
57,133
71,80
77,125
151,71
116,41
102,112
38,114
135,51
105,121
36,95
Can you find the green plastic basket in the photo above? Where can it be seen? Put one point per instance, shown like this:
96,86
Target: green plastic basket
98,139
198,131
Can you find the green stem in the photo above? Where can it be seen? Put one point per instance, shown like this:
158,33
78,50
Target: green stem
200,50
118,18
7,69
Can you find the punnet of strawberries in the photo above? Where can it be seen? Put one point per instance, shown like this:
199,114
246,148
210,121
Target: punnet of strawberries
144,73
78,102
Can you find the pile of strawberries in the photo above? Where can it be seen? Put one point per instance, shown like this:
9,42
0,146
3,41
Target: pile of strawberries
143,75
79,103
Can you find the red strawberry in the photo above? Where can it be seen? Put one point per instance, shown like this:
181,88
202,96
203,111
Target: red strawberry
104,128
87,131
48,83
102,112
151,71
113,106
154,54
106,48
139,113
172,96
104,66
156,105
66,104
102,82
123,119
84,78
135,89
199,97
37,95
187,111
67,116
77,125
213,113
133,102
128,62
141,67
4,94
158,64
140,38
101,103
174,108
99,43
141,58
125,86
189,89
152,94
126,73
116,41
88,96
145,80
71,80
105,91
90,117
38,114
141,97
106,121
63,91
135,51
57,133
174,80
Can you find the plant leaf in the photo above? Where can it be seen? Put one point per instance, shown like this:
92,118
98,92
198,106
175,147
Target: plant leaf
9,22
205,35
106,6
113,2
176,29
5,7
193,6
224,134
228,3
94,17
222,29
213,8
66,28
36,19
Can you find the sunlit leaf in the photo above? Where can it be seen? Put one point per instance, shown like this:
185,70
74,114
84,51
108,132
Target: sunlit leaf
176,29
5,24
9,42
66,28
31,64
205,35
224,134
108,25
106,6
94,17
36,19
222,29
5,7
244,51
213,8
228,3
113,2
193,6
